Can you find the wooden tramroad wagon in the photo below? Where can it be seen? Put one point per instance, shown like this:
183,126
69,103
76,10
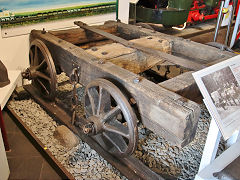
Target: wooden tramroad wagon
121,65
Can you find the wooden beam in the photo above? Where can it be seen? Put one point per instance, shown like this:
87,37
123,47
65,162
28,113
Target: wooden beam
183,85
79,36
129,58
185,48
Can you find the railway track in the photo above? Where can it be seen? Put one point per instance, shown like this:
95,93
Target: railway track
130,167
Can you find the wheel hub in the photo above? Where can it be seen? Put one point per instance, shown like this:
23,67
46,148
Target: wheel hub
94,127
30,73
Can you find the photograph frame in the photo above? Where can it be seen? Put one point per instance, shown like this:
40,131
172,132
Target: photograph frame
221,91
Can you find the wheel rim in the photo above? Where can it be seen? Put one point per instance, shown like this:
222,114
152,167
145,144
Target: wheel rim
114,121
42,69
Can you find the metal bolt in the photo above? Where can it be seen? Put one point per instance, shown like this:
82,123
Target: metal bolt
94,49
101,61
133,101
104,53
88,128
136,80
43,31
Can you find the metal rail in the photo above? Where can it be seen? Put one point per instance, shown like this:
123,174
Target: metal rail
130,167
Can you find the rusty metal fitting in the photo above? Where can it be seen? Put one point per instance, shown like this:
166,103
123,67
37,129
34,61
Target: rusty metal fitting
26,74
44,31
88,128
132,101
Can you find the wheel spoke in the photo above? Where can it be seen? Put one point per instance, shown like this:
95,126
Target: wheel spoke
116,140
104,102
99,100
42,85
117,128
31,57
111,114
93,97
35,54
44,76
41,64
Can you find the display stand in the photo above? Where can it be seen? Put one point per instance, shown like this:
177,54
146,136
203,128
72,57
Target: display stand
207,166
235,30
5,93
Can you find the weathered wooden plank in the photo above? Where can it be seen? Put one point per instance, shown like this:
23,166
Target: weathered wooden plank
167,57
185,48
154,42
78,36
183,85
162,111
168,70
42,148
95,43
129,58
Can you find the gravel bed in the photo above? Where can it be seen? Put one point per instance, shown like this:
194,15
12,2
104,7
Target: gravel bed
168,159
81,161
84,163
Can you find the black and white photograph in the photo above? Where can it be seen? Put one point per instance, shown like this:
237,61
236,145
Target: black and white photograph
220,88
224,91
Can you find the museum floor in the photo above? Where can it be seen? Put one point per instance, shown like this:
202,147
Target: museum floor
22,150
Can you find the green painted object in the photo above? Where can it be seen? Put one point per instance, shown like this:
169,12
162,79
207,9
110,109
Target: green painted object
180,4
175,14
211,3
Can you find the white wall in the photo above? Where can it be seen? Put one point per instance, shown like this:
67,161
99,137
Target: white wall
14,43
123,10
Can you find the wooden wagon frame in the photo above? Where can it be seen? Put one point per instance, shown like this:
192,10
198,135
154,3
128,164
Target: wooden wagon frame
112,60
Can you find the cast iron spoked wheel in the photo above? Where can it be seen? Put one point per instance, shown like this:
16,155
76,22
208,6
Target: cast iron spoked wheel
42,69
114,124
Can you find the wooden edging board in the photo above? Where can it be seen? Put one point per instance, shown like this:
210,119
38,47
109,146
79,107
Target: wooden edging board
61,170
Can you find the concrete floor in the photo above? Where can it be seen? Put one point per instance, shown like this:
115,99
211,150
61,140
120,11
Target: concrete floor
25,161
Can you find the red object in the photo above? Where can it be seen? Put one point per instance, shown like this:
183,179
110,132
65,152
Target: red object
4,133
195,13
237,8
